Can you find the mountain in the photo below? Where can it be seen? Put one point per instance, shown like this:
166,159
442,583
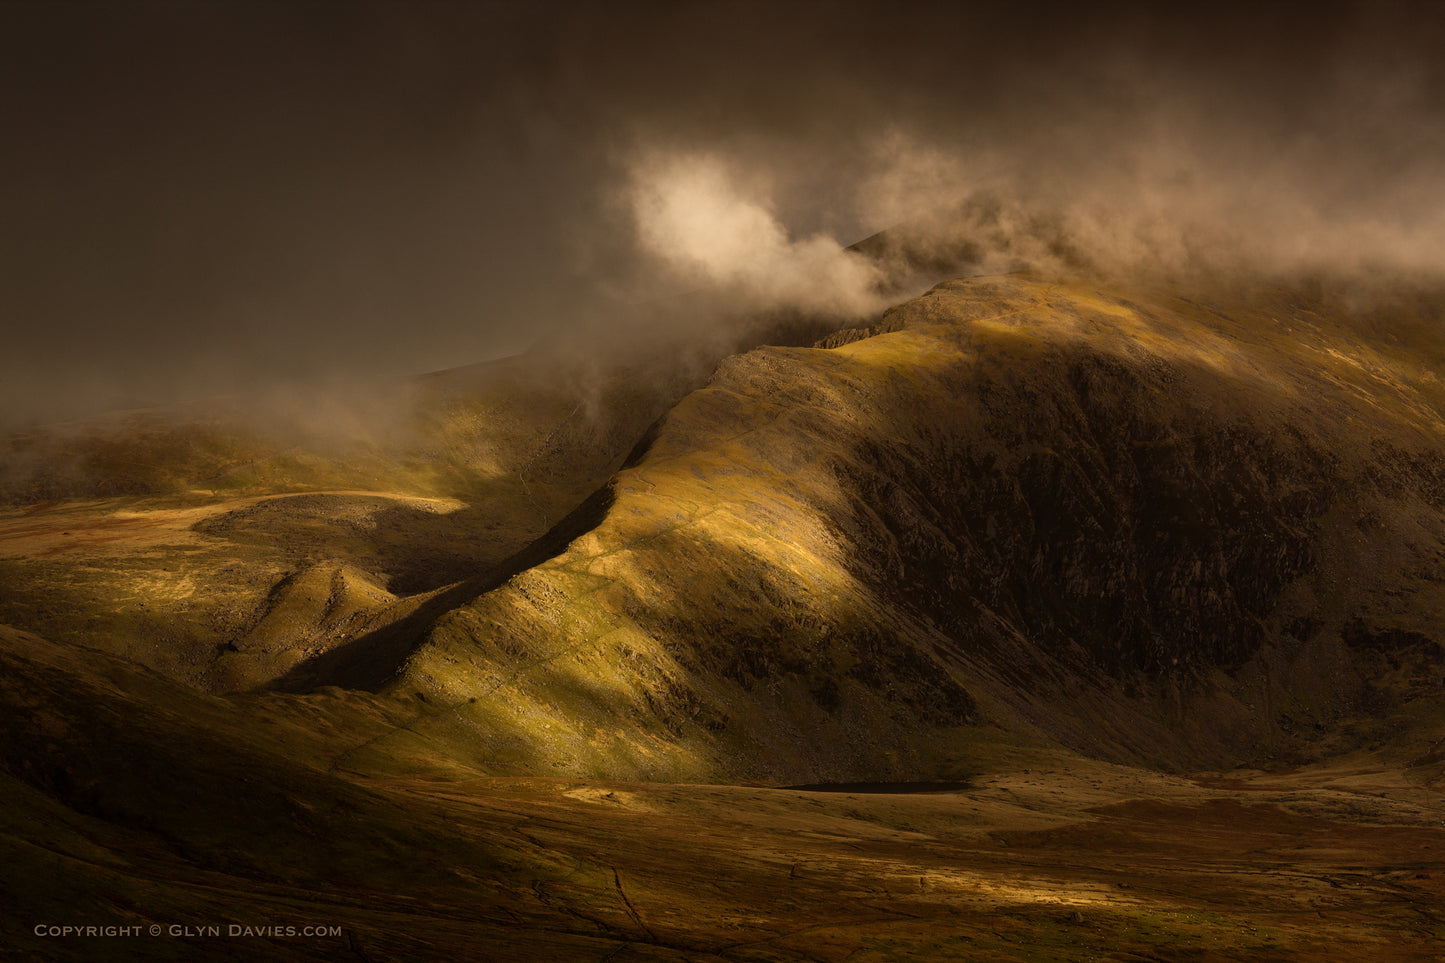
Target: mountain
1128,600
1142,530
224,543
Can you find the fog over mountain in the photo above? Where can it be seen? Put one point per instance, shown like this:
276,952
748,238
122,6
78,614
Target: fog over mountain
722,481
203,198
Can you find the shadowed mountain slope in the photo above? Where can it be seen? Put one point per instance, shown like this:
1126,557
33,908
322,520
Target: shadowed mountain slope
231,547
1147,530
1010,536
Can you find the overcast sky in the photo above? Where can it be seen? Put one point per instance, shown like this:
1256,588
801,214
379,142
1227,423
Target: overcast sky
196,196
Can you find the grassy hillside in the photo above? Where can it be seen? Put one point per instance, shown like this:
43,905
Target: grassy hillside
186,541
231,544
131,801
1022,546
1147,529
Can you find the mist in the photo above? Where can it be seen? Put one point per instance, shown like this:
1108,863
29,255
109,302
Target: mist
222,198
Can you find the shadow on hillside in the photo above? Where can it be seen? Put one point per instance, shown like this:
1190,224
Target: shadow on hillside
420,549
370,661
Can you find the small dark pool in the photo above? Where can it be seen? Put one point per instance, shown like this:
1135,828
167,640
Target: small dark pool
883,787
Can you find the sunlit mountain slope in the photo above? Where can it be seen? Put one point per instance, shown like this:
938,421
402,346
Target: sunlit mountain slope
1141,528
225,546
1018,544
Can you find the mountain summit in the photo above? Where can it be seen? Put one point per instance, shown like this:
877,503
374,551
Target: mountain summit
1148,530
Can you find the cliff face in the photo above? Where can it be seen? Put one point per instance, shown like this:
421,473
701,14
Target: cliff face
1013,510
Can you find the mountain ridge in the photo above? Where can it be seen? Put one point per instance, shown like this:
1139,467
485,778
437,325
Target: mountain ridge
1225,489
1071,552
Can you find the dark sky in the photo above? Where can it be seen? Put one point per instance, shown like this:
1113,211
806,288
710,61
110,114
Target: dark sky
199,196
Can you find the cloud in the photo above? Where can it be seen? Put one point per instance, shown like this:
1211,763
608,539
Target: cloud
698,220
910,180
211,197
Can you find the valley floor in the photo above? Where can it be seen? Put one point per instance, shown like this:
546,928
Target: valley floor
1075,860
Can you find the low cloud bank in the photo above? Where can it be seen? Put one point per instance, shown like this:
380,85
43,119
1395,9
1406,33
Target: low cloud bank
699,221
